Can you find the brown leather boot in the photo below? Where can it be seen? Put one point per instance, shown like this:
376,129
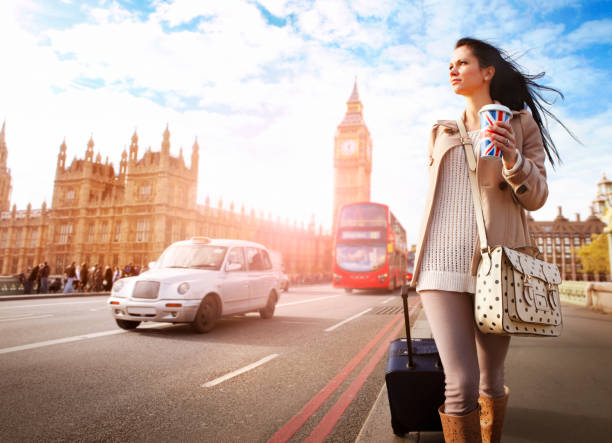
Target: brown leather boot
492,411
461,428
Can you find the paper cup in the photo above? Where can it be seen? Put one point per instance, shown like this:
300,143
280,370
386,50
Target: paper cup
489,114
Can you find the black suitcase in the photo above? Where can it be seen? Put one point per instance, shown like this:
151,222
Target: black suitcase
415,382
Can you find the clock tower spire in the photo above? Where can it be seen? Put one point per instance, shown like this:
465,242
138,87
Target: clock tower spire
352,156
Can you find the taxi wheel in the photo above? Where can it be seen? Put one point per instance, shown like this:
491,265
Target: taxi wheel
268,311
127,324
206,316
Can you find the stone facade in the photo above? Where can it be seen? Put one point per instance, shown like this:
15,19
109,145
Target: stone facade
352,156
99,215
558,241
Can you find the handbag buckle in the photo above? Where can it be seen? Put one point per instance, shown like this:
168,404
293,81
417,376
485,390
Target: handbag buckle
552,299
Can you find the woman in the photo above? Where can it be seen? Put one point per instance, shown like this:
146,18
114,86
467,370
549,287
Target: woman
447,251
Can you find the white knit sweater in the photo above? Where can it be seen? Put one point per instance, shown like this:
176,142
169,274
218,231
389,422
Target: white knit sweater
452,234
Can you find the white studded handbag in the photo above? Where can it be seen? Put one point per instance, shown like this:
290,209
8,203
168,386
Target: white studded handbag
516,294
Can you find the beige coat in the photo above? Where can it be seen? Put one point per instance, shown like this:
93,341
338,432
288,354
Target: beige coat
504,197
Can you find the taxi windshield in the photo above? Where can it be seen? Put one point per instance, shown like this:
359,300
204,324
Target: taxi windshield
192,256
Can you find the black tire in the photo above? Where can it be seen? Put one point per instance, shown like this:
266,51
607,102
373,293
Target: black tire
268,311
348,290
207,315
127,324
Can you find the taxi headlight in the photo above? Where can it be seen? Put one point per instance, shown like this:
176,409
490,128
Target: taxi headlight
118,286
183,288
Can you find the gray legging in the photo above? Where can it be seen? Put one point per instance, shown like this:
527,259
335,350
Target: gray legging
473,361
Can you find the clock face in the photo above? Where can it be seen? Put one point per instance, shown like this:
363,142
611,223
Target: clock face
348,147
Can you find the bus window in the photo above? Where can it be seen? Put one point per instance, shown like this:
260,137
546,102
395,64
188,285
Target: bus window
361,258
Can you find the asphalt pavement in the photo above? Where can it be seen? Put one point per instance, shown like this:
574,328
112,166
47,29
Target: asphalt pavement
561,388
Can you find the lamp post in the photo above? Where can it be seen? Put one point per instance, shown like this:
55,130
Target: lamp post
603,210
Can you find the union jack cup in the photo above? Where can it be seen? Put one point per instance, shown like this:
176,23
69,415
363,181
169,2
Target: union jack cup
489,114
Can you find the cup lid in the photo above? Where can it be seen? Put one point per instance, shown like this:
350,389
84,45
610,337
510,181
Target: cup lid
495,107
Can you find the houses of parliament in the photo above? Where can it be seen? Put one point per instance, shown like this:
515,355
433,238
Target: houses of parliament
114,217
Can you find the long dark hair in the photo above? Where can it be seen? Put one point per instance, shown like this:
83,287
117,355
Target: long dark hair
515,89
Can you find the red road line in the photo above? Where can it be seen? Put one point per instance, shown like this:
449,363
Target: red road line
326,425
298,420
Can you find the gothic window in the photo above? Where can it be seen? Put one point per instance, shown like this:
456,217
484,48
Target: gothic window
4,239
104,232
117,231
19,239
577,241
33,238
90,233
70,194
65,233
142,230
144,192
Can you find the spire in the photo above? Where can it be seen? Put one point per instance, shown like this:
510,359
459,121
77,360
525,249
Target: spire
134,147
61,157
89,152
166,141
354,98
3,149
196,147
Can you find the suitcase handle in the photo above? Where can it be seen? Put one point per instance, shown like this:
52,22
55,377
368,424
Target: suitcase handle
407,321
405,290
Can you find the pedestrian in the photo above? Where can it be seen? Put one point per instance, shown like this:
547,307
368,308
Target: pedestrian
447,251
32,278
116,274
84,276
97,278
70,276
108,278
44,277
27,284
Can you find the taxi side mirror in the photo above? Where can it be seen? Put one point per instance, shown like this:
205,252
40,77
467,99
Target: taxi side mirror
233,267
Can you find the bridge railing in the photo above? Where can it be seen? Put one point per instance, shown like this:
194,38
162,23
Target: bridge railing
596,295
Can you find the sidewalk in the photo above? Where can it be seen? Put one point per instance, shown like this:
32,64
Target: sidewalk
561,388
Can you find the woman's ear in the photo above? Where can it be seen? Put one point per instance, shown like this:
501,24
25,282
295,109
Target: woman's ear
489,72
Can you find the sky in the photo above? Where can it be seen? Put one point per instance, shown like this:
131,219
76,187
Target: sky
263,86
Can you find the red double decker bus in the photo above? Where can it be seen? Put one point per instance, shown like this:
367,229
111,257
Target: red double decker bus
370,248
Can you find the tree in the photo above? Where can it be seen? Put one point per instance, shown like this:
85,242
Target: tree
594,257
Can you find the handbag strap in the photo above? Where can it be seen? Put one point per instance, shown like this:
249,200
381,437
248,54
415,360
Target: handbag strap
466,141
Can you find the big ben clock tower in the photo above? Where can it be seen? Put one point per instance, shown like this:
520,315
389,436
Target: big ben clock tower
352,156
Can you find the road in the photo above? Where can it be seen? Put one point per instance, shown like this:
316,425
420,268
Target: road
312,372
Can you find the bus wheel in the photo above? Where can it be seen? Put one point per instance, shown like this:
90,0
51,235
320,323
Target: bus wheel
348,290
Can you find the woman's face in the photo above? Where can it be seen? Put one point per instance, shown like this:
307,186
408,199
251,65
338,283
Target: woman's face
466,75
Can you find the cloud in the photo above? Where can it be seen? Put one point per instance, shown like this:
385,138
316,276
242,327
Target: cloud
264,99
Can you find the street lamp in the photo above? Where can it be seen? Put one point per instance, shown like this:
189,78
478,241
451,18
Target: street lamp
603,210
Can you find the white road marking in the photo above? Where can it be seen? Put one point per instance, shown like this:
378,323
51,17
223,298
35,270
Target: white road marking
60,341
25,317
387,300
233,374
337,325
51,304
282,305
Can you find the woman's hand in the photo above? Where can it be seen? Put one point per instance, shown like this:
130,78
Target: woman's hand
503,135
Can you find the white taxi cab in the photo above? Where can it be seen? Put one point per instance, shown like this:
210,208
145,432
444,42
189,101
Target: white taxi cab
198,281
